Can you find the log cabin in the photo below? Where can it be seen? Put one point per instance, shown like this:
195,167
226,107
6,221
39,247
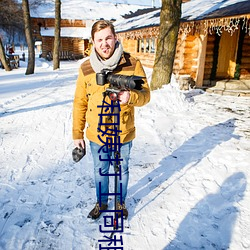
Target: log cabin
74,37
213,41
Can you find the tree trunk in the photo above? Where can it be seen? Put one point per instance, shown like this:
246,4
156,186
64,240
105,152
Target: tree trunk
168,34
3,57
28,33
56,59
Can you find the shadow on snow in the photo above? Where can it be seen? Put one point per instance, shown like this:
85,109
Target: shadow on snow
210,223
215,220
190,153
22,110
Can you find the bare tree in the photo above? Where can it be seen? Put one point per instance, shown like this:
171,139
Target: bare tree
11,16
3,57
168,34
28,33
56,59
11,24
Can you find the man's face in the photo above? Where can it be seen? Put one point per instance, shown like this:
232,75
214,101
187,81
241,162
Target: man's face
104,42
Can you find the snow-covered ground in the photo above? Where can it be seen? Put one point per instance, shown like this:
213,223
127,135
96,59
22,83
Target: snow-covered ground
189,169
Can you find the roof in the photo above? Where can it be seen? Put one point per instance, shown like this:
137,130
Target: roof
85,10
193,10
79,32
207,9
231,10
146,20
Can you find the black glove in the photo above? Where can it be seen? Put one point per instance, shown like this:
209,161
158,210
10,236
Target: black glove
78,153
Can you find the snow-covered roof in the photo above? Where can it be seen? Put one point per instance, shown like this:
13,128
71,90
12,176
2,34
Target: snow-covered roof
191,11
85,10
205,9
79,32
144,20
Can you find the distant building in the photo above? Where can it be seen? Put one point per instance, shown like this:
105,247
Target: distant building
77,19
75,36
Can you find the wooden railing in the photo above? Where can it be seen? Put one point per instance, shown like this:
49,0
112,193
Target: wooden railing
63,55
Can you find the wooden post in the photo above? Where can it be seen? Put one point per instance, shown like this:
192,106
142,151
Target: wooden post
201,60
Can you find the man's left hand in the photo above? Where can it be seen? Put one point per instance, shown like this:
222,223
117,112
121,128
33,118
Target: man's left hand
123,96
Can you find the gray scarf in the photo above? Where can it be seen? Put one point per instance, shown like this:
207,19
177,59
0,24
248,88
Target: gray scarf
110,64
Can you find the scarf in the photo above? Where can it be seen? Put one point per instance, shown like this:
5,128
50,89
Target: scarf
98,64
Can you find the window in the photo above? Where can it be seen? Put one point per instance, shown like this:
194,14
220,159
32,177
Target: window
146,45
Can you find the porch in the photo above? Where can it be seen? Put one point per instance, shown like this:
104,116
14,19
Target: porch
231,87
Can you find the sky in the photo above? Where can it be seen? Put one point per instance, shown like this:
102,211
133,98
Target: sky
189,168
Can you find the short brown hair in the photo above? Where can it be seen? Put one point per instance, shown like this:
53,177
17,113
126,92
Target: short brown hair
101,24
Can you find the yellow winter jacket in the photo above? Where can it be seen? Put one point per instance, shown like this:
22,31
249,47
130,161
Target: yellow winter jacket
89,95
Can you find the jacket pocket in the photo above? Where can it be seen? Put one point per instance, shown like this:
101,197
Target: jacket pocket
127,119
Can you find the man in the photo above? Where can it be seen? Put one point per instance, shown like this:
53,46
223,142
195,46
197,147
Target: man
108,54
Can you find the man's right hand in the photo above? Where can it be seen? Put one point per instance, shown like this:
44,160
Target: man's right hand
79,143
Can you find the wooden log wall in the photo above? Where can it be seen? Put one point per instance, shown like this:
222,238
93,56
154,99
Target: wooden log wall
178,61
190,56
185,59
50,22
66,44
73,45
146,59
79,46
47,45
131,46
186,55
